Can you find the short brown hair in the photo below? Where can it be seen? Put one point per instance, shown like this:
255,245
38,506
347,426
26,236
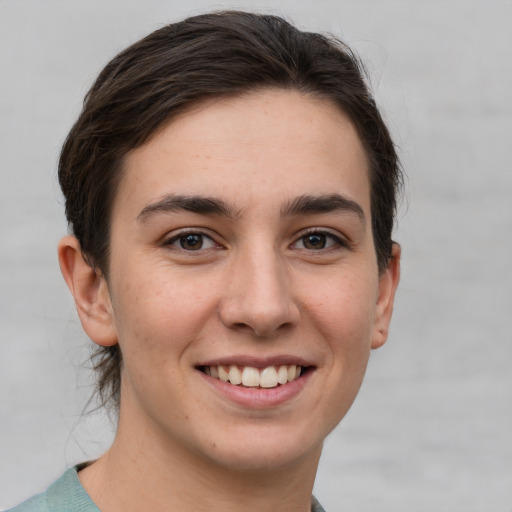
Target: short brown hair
171,70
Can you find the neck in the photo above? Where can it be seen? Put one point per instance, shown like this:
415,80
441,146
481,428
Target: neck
156,474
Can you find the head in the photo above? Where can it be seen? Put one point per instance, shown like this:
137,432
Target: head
182,66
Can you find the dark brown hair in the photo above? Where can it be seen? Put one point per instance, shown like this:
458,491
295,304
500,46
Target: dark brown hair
173,69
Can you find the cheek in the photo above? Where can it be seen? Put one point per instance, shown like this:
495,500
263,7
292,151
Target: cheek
350,295
157,314
344,313
158,321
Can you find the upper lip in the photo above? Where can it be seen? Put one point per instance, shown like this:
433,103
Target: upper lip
256,362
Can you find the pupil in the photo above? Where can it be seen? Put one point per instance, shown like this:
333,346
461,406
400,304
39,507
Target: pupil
191,242
315,241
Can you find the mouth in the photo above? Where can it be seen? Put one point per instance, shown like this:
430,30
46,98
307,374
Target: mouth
252,377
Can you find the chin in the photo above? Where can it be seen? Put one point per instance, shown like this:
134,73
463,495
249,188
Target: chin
264,450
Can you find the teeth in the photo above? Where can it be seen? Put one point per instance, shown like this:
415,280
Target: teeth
223,374
250,377
282,375
269,377
235,375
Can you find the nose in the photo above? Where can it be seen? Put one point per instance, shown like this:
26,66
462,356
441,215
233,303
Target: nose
258,297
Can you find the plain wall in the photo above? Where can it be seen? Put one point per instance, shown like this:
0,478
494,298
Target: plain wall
431,429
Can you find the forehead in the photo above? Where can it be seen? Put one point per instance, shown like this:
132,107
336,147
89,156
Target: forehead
268,145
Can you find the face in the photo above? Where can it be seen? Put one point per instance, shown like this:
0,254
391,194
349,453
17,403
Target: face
242,250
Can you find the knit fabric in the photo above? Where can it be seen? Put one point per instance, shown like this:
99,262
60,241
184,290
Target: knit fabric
68,495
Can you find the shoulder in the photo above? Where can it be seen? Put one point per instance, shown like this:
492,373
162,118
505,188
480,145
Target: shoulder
315,506
64,495
35,504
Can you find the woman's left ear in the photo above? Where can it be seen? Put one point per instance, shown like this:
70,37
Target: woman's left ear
90,291
388,282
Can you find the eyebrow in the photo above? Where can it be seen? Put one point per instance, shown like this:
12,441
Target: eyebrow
302,205
307,204
195,204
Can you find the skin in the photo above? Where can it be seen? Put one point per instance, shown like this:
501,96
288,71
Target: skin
271,281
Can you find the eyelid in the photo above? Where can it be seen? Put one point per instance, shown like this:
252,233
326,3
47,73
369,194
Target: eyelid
340,239
174,236
170,239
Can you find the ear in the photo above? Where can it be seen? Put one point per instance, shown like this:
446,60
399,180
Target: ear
90,291
388,282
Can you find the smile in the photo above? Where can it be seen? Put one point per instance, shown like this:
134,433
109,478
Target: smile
249,376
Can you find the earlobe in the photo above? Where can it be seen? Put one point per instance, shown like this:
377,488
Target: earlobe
90,291
388,282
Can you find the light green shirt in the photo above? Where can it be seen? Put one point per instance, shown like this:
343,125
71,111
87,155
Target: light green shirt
64,495
68,495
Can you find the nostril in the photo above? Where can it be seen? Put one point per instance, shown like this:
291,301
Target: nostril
269,330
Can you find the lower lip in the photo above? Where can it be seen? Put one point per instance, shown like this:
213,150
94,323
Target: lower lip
259,398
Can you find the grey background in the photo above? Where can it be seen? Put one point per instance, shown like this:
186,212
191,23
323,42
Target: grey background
431,429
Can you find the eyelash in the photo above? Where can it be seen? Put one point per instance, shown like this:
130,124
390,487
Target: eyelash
336,241
183,234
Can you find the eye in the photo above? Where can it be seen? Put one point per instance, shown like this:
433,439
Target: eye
317,240
192,242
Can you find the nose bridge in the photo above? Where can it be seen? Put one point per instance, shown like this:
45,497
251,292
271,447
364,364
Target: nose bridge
258,295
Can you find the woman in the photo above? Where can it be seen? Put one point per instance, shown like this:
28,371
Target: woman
231,188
